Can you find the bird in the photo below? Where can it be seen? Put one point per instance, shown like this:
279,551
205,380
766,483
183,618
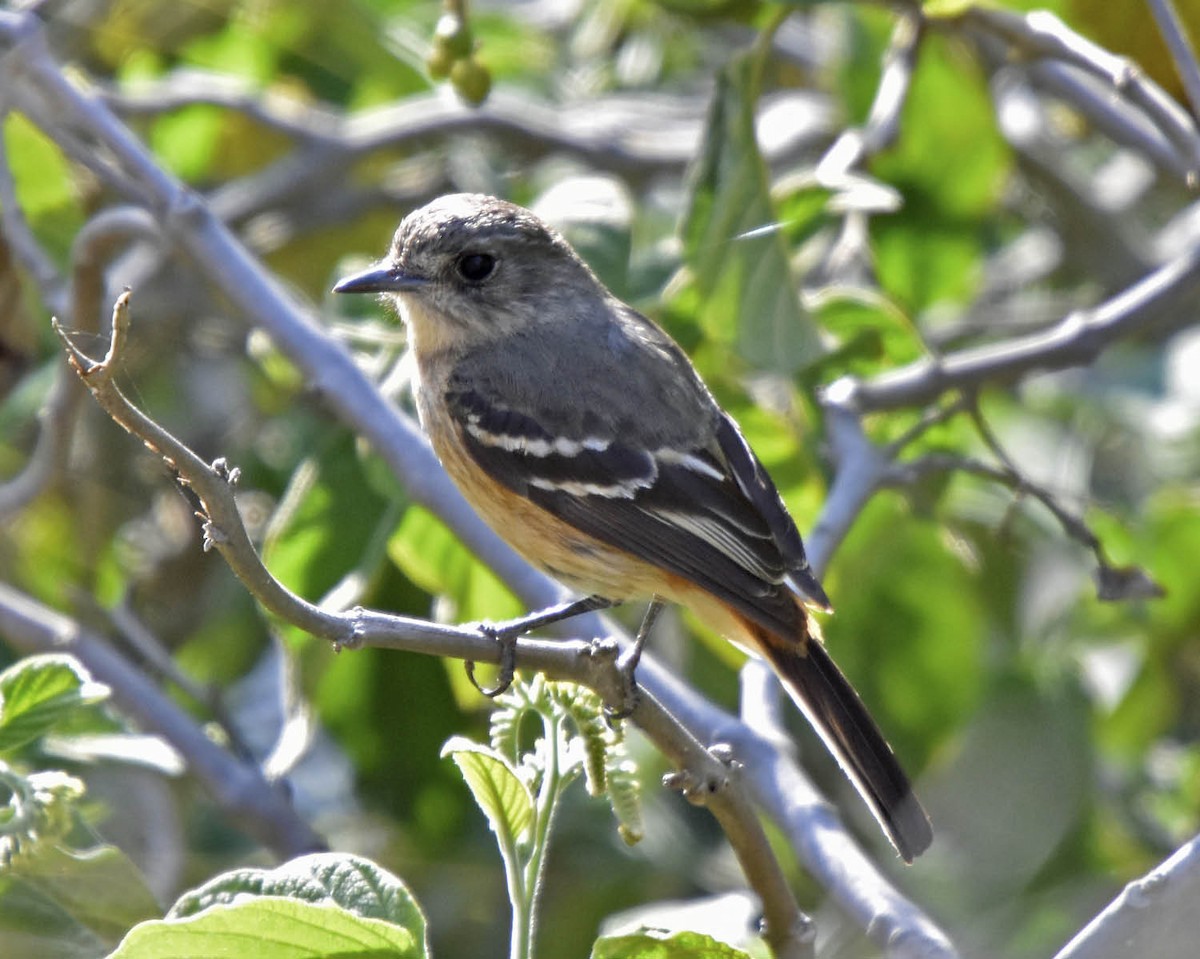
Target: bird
581,432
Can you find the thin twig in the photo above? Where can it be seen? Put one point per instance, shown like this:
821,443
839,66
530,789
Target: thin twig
882,126
1174,34
1076,340
1042,36
861,468
92,249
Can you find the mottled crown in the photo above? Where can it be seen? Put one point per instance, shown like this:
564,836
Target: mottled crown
459,220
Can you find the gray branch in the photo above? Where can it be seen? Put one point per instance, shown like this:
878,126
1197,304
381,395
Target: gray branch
1174,34
258,806
1041,37
1153,916
1152,305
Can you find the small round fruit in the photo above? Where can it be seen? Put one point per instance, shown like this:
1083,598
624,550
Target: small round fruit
472,80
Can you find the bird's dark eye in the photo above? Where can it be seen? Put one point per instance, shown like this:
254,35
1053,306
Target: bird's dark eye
475,267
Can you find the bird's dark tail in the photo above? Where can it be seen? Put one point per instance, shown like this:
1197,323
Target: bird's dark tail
835,711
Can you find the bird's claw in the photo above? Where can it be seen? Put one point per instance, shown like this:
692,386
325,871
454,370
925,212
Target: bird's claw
630,693
508,660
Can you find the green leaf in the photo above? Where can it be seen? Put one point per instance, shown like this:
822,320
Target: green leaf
330,522
923,259
434,558
932,250
873,332
349,882
33,924
656,944
46,190
1027,751
38,692
100,889
188,142
271,928
732,241
949,9
948,119
43,178
500,793
911,644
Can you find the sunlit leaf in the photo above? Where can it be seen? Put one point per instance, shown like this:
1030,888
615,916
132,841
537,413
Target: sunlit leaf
732,240
38,692
500,793
278,929
45,187
656,944
349,882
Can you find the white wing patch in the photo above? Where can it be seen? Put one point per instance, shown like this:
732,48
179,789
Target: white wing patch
674,457
534,446
627,489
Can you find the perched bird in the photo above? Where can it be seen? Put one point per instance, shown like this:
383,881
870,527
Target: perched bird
581,432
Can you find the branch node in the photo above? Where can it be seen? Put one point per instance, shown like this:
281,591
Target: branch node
183,211
603,650
214,536
723,753
357,633
230,474
1125,74
696,789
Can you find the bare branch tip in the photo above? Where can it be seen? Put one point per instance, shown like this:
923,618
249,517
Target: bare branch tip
1116,584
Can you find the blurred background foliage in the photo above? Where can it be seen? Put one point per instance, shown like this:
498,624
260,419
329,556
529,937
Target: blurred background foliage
1052,735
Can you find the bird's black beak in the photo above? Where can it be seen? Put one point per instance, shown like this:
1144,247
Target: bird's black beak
381,280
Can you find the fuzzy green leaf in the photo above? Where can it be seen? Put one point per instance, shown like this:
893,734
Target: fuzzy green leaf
324,879
270,928
500,793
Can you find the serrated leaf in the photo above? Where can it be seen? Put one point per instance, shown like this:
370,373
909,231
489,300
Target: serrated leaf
738,259
270,928
38,692
656,944
499,791
349,882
